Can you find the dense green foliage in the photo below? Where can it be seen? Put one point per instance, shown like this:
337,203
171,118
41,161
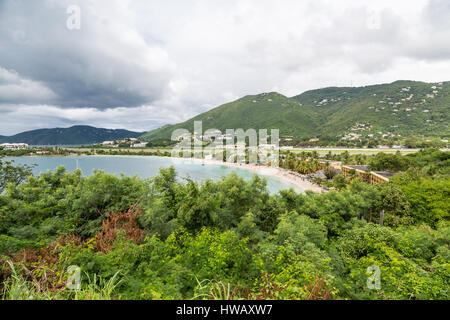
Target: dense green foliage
397,110
9,173
426,162
166,238
15,153
67,136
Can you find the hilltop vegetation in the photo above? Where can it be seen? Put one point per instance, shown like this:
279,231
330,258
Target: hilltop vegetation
264,111
67,136
366,115
165,239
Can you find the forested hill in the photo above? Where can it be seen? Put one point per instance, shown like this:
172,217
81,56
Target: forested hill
67,136
401,108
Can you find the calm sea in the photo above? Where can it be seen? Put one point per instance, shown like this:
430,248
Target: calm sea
147,167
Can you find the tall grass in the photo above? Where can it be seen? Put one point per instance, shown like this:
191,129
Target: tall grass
98,288
16,287
216,290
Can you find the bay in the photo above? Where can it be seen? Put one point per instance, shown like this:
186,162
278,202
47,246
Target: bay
146,167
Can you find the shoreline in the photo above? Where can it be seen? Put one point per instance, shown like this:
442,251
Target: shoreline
277,172
280,173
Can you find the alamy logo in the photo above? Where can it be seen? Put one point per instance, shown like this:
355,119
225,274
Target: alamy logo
374,21
235,146
74,280
374,280
74,20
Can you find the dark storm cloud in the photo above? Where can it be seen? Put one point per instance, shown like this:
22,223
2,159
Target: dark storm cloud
102,65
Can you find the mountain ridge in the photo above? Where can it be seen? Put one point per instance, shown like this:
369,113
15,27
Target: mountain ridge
79,134
400,108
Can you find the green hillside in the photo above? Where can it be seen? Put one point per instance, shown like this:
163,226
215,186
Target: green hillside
263,111
402,108
67,136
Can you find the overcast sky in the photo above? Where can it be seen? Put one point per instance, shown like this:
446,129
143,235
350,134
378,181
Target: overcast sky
139,64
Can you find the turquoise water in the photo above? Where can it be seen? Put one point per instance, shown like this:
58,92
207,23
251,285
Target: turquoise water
147,167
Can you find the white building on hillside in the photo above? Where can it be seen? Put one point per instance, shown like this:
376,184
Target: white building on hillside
14,146
140,145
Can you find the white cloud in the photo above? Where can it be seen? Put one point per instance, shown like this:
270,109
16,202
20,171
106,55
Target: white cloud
166,61
15,89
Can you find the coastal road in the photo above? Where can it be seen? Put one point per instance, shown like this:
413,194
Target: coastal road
354,150
145,150
297,150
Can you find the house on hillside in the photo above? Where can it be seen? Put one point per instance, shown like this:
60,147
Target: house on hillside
139,145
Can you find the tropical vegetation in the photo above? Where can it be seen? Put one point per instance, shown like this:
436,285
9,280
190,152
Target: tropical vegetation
173,238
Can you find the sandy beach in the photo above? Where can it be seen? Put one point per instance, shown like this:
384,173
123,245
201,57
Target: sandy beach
283,174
